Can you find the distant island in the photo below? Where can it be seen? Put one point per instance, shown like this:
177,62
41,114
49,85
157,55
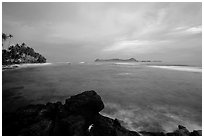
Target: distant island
124,60
19,53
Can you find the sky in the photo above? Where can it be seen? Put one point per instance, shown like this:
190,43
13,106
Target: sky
75,32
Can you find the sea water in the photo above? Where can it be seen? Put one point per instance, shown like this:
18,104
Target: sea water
143,97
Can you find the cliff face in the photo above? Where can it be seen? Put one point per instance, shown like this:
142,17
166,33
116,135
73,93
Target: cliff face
79,116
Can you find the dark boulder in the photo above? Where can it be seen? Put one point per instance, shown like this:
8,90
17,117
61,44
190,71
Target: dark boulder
196,133
181,131
73,125
41,128
87,103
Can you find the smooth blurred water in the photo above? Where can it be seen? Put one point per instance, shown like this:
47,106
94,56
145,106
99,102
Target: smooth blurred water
145,98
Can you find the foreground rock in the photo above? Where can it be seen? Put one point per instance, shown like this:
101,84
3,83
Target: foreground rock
79,116
181,131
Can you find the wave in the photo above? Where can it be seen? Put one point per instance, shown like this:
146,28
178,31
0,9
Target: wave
33,64
126,63
180,68
123,74
154,118
81,62
19,66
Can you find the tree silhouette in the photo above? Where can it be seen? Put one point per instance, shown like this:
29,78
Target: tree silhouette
19,53
9,36
4,38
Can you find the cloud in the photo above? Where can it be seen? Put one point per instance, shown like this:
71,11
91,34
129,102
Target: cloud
184,33
197,29
125,44
137,45
188,30
126,28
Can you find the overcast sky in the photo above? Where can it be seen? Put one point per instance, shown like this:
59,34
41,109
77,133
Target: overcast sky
76,32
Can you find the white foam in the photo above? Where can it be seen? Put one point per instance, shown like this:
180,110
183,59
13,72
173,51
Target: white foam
63,62
125,63
33,64
180,68
19,66
123,74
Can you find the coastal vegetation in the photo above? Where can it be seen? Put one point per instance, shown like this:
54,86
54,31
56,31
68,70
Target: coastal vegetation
19,53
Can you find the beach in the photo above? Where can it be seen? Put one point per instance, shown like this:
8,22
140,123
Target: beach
17,66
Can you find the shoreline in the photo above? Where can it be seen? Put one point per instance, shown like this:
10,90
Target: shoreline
24,65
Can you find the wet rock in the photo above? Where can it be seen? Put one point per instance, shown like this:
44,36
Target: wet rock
196,133
104,126
87,103
182,131
79,116
41,128
61,112
145,133
73,125
181,127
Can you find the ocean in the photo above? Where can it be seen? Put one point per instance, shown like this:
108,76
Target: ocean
143,97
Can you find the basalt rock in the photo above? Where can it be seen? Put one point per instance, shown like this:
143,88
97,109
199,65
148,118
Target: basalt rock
104,126
79,116
196,133
182,131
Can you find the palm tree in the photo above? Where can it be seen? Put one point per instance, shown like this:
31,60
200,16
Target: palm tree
10,36
22,48
4,38
23,44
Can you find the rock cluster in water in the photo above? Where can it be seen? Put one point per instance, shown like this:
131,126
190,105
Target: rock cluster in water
79,116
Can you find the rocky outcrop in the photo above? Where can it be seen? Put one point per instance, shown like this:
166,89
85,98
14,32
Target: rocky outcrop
181,131
79,116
